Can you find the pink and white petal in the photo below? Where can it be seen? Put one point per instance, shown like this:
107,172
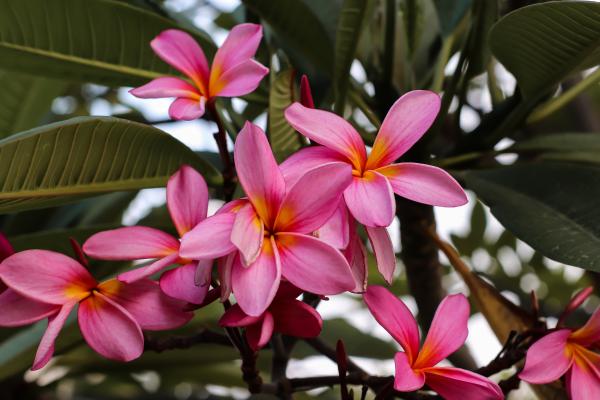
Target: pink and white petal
447,333
187,199
19,310
248,233
356,254
187,109
166,87
130,243
181,51
574,303
45,349
312,265
383,250
259,334
583,379
109,329
240,80
224,268
548,358
336,231
393,315
296,318
590,332
178,283
370,199
330,130
314,198
425,184
258,171
460,384
46,276
149,270
408,119
210,239
255,286
236,317
405,378
306,159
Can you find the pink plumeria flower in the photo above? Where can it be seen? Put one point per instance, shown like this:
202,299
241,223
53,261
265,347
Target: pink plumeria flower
111,314
568,352
233,72
270,232
416,368
187,201
285,315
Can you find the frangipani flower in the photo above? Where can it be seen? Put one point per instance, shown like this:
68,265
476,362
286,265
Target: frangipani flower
187,201
568,351
111,314
270,232
448,331
285,315
233,72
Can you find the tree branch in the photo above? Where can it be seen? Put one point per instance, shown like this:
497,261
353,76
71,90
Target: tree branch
160,344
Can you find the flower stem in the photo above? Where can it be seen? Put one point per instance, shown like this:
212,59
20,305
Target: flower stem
221,139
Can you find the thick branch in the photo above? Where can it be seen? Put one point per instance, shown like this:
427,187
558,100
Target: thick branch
159,344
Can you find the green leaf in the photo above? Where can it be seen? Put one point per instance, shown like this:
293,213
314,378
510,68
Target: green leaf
550,206
543,43
450,13
103,41
572,147
284,139
85,156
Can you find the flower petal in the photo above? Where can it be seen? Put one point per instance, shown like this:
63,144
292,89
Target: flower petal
255,286
187,199
149,270
590,332
240,80
258,172
356,254
313,199
425,184
209,239
296,318
408,119
336,231
459,384
313,265
405,378
203,273
383,250
45,349
248,233
109,329
370,199
330,130
583,379
548,358
225,267
236,317
18,310
166,87
6,248
306,98
130,243
179,283
46,276
574,303
393,315
187,109
306,159
259,334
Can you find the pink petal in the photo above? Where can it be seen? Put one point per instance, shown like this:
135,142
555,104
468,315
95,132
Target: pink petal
109,329
313,199
187,199
408,119
393,315
287,292
232,206
459,384
590,332
187,109
179,283
405,378
46,276
447,333
583,379
255,286
259,334
130,243
384,251
306,159
18,310
425,184
240,80
209,239
574,303
149,270
547,359
236,317
330,130
306,98
296,318
258,172
181,51
370,199
45,349
166,87
356,254
248,233
313,265
336,231
6,248
225,267
203,273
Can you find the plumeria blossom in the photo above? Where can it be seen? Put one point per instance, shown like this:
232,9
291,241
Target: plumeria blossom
270,232
233,71
187,201
568,352
285,315
418,367
111,314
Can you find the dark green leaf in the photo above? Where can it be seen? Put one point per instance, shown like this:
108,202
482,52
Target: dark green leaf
284,139
451,12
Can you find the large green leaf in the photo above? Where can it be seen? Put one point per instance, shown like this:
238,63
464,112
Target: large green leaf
84,156
543,43
553,207
284,139
576,147
102,41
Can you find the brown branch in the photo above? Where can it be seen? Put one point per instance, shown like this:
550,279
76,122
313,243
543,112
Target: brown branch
160,344
229,176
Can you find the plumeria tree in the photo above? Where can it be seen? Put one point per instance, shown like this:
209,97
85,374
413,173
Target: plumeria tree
406,190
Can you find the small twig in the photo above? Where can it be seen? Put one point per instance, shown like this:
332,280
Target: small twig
221,139
509,384
159,344
330,353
